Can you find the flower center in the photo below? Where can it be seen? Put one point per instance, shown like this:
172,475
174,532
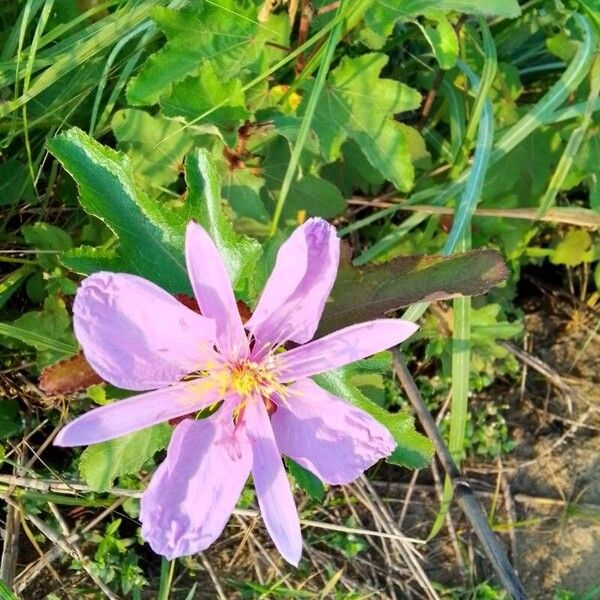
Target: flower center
246,378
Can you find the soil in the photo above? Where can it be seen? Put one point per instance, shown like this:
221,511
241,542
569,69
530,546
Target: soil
559,456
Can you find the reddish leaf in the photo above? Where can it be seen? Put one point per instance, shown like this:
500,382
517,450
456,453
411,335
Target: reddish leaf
68,376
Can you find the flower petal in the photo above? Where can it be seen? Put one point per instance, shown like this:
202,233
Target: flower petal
293,299
342,347
328,436
126,416
272,486
213,292
137,336
194,491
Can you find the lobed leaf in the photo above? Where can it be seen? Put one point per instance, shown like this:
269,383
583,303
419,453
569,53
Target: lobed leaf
357,104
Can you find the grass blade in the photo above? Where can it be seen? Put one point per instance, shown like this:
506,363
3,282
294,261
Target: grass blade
330,47
37,340
573,145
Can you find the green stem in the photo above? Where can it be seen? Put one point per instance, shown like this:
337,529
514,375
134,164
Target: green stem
167,568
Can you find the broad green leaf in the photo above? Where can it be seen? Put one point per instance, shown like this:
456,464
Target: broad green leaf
357,104
203,202
150,235
196,95
47,330
155,146
364,293
308,482
575,248
382,15
101,464
50,239
15,183
352,172
86,259
310,195
315,197
242,190
443,40
413,450
11,422
44,236
529,164
224,32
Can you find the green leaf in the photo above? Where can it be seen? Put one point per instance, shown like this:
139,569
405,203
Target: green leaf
443,40
316,196
15,183
352,172
575,248
382,15
86,259
45,330
413,450
48,238
586,166
203,202
357,104
11,282
155,146
101,464
11,422
224,32
150,235
311,194
242,190
196,95
43,236
364,293
5,593
308,482
530,164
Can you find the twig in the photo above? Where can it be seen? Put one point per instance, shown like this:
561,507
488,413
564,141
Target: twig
75,488
406,550
211,573
462,490
439,488
66,547
25,578
544,369
10,549
407,498
577,217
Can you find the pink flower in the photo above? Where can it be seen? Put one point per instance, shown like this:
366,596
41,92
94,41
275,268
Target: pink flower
138,337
